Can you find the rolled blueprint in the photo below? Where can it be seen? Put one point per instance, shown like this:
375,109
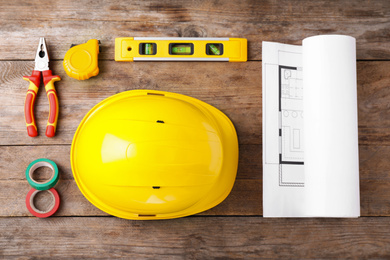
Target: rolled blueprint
330,126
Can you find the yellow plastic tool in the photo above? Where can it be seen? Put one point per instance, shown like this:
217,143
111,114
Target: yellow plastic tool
81,61
145,154
180,49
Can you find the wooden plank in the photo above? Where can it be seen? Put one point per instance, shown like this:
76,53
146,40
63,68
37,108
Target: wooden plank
374,164
373,101
14,186
195,238
234,88
245,198
283,21
14,160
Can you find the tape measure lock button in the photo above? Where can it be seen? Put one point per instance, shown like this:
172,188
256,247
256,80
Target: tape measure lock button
51,182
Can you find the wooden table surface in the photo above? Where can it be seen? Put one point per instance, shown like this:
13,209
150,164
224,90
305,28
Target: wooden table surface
235,228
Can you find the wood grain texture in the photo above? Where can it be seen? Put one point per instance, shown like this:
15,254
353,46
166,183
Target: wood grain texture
245,198
14,161
234,88
282,21
234,228
195,238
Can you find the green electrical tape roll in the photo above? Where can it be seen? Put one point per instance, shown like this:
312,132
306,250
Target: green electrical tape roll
42,163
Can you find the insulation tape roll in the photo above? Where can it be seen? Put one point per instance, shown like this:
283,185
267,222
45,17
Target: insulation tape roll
42,163
39,213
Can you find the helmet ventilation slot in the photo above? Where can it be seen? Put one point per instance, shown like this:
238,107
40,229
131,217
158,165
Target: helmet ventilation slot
156,187
156,94
160,121
139,215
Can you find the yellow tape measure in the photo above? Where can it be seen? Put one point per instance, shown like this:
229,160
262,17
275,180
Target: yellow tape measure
81,61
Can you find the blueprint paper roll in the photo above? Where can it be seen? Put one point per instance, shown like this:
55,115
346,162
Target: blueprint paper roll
330,126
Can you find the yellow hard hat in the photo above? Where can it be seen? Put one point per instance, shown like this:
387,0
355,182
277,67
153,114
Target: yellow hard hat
145,154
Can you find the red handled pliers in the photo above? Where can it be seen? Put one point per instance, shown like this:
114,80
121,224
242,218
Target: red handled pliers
41,66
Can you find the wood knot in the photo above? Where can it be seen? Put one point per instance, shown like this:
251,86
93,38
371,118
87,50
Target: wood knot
194,31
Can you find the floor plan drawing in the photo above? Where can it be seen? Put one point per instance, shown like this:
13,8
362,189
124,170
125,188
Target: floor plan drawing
283,149
291,126
305,114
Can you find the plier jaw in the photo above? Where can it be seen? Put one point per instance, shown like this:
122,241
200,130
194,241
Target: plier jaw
42,56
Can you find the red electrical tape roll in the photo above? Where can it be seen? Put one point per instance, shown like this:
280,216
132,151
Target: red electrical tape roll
38,213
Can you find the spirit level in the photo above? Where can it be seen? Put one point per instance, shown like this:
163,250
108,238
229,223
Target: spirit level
180,49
